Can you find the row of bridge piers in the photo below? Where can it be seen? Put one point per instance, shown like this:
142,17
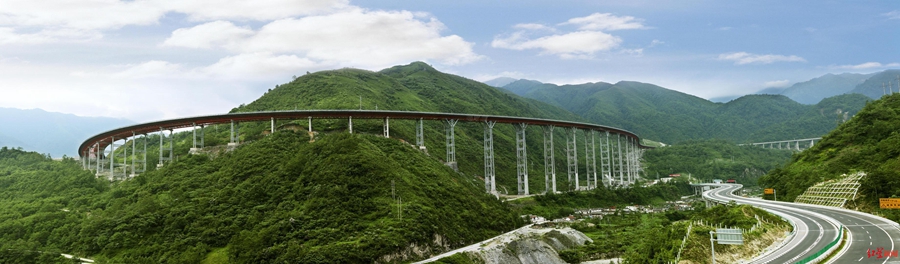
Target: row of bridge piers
619,155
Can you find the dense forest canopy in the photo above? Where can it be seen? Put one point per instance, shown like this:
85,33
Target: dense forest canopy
869,142
706,160
670,116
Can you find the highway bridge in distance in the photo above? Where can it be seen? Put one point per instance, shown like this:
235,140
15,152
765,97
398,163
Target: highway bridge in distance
816,226
100,151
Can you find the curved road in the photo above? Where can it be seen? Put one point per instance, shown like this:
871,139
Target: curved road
816,226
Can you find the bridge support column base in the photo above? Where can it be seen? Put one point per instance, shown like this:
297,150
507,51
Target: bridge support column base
453,166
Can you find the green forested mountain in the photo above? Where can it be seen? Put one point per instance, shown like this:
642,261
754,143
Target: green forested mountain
876,85
714,159
816,89
277,199
670,116
868,142
418,87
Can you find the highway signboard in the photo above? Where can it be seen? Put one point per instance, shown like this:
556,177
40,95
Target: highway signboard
729,236
889,203
769,191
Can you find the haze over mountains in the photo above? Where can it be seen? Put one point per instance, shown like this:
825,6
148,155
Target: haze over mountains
52,133
807,92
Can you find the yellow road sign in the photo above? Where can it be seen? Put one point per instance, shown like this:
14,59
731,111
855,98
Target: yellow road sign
769,191
889,203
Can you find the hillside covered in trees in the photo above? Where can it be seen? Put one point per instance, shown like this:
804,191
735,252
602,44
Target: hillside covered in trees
869,142
419,87
670,116
714,159
343,198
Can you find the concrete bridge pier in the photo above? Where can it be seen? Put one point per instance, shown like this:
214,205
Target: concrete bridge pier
549,164
605,162
619,159
572,155
194,149
521,158
420,134
587,161
387,126
97,154
489,176
451,143
171,147
593,162
111,156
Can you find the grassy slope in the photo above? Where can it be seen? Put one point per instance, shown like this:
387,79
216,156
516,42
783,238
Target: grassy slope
867,142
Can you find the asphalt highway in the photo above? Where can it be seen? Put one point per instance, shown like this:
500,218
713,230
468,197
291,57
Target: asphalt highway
816,226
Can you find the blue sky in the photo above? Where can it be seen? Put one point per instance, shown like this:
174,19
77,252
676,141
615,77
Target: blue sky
152,59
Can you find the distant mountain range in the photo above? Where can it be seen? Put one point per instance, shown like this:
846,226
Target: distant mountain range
670,116
816,89
52,133
808,92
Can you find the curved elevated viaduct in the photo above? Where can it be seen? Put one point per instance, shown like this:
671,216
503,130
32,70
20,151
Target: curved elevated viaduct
619,167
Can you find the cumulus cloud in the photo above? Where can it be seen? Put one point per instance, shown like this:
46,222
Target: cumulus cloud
533,26
579,44
355,37
10,36
741,58
867,65
606,21
777,84
208,35
892,15
91,17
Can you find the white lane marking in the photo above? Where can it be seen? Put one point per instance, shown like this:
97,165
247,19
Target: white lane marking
799,213
860,259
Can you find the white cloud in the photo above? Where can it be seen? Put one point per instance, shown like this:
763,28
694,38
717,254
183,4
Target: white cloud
579,44
354,37
724,28
10,36
655,43
259,66
778,84
893,14
150,69
867,65
533,26
58,20
636,52
606,21
741,58
217,33
261,10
